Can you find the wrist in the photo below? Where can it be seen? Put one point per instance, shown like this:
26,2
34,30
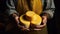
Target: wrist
46,15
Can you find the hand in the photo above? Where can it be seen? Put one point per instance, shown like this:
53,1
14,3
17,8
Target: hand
40,27
16,18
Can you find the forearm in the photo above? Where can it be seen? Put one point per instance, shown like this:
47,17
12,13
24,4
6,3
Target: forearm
48,13
49,10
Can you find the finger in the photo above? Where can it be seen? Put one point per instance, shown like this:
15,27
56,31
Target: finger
41,26
20,26
37,29
28,29
17,19
44,21
23,28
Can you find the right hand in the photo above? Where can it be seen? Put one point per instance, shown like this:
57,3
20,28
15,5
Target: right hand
16,18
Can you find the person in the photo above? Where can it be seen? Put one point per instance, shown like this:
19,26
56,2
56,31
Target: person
25,5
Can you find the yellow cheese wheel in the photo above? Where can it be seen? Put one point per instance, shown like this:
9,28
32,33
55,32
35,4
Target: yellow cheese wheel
25,22
30,18
36,19
29,15
33,17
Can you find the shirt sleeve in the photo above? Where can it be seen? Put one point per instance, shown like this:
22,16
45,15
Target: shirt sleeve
10,7
50,8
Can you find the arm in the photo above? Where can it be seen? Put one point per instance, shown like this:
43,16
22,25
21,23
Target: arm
49,9
10,11
10,7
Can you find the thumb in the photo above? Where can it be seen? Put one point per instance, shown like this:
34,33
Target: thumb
44,19
17,19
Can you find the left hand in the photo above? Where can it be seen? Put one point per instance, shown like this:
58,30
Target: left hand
40,27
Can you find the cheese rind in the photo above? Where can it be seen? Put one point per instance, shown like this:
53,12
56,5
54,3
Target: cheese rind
25,22
36,20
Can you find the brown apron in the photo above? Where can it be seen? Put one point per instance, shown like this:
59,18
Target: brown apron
32,5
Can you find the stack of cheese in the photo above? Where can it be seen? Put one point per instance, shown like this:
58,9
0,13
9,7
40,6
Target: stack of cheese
30,18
